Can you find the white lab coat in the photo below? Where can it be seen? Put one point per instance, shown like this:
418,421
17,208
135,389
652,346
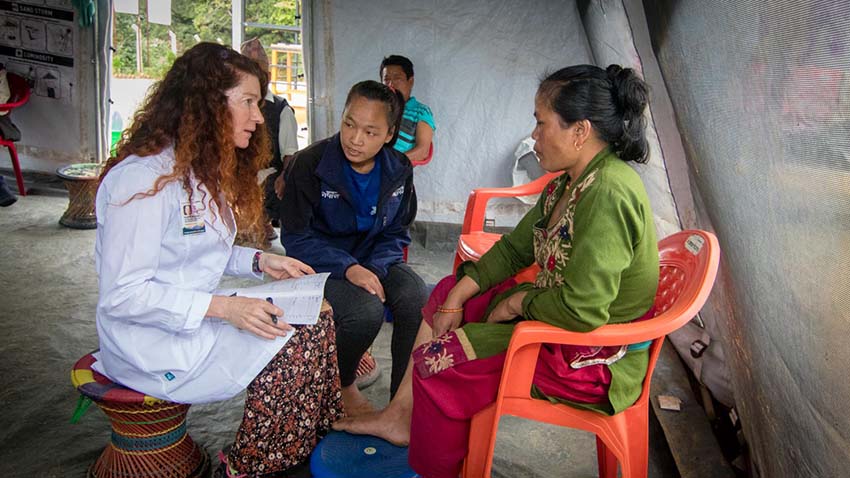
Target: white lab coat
156,279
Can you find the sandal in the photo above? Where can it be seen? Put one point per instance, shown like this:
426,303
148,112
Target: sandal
224,470
367,371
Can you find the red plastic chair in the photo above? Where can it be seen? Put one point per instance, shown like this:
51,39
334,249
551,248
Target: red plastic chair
689,262
19,94
423,162
473,241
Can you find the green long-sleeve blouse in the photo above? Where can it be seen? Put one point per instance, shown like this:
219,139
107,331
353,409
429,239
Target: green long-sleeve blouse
599,264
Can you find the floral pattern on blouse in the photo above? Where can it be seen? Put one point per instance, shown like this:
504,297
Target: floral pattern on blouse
552,246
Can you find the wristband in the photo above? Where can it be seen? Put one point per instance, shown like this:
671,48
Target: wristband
445,310
255,264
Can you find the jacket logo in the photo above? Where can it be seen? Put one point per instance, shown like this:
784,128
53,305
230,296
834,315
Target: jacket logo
330,194
399,191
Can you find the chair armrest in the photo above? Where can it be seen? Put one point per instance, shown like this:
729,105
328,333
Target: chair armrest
423,162
527,338
476,205
536,332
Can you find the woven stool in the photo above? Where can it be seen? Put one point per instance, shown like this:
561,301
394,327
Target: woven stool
343,455
81,180
149,436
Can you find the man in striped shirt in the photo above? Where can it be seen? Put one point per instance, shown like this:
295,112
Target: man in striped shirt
417,124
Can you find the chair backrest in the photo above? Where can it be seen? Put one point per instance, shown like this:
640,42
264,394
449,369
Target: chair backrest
689,261
19,92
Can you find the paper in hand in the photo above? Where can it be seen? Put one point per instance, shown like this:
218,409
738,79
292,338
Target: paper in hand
300,298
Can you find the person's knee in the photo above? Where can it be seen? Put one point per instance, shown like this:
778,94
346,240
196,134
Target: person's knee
404,287
348,300
365,312
372,312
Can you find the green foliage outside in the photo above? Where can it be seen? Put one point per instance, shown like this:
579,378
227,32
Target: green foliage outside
193,21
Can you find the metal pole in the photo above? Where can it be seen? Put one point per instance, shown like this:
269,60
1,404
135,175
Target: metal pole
307,11
237,22
138,32
100,148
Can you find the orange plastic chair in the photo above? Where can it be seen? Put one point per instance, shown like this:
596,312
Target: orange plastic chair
473,241
423,162
19,94
689,262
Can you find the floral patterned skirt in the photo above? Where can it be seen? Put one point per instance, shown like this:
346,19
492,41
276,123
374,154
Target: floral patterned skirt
292,403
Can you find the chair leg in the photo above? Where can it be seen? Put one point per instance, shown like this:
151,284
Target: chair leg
636,462
19,177
481,444
638,468
607,461
637,465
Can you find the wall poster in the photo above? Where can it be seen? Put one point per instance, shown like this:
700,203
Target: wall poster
37,41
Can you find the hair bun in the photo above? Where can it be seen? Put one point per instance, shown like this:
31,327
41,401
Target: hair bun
631,92
613,71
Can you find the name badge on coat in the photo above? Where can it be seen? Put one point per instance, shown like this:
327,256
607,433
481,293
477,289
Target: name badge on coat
193,217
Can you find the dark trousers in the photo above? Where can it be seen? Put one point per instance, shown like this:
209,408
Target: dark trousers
270,201
359,316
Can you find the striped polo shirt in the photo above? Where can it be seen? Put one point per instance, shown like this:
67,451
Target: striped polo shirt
414,112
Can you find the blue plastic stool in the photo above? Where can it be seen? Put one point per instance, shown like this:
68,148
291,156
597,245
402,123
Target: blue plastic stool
343,455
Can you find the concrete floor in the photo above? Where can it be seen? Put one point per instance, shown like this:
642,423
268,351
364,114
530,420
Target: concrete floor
49,292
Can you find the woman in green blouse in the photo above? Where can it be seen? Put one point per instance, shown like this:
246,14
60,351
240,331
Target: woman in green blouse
592,234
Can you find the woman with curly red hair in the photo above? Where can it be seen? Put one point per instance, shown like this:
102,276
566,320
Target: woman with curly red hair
184,179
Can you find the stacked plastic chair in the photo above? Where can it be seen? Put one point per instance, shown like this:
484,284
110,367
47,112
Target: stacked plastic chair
149,435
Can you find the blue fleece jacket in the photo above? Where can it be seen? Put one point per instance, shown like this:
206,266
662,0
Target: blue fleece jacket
318,217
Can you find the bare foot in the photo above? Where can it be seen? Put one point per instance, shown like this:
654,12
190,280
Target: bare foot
355,403
388,424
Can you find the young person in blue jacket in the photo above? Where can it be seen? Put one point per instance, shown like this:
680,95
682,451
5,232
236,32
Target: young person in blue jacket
346,210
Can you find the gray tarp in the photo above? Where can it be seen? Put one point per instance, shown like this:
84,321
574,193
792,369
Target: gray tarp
477,65
760,90
610,33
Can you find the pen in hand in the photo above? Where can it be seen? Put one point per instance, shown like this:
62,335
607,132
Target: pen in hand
274,317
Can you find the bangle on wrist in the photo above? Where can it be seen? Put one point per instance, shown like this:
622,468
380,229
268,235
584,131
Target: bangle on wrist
255,264
448,310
